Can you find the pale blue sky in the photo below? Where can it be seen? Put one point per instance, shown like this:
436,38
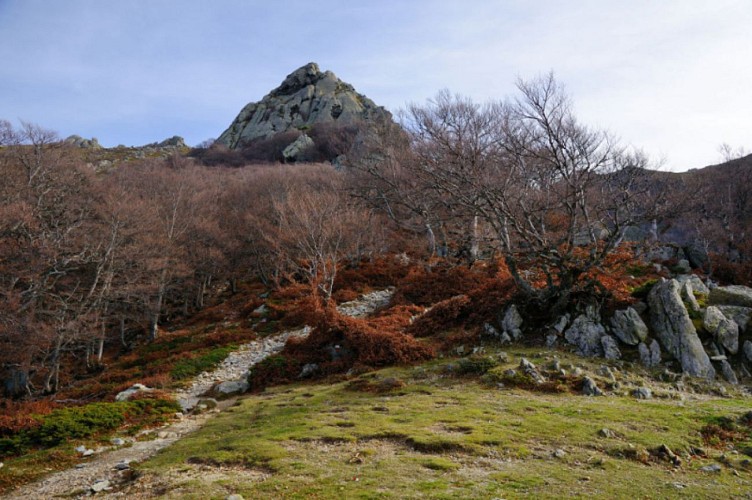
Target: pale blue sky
672,76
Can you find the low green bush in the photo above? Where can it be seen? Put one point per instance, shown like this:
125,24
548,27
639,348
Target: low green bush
82,422
187,368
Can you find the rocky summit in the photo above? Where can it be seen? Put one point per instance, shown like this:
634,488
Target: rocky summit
306,97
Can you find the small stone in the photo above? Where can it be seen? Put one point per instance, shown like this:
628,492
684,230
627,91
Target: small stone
605,371
234,496
100,486
711,468
503,357
308,370
559,453
87,453
122,466
551,340
80,449
589,387
642,393
577,372
80,466
607,433
118,441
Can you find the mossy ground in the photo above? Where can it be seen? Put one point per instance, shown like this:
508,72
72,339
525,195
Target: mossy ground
433,434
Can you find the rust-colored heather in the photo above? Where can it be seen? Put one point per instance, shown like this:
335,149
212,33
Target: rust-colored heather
16,416
442,316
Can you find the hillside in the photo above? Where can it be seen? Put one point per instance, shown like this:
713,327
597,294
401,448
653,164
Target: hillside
494,299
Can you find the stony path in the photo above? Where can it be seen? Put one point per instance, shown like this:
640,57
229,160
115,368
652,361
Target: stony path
103,466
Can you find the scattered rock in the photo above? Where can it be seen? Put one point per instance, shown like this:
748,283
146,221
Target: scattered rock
728,372
606,371
589,387
673,327
665,453
80,449
124,465
100,486
610,348
607,433
230,388
134,389
308,370
628,326
87,453
711,468
234,496
531,371
512,322
490,331
559,453
733,295
117,441
642,393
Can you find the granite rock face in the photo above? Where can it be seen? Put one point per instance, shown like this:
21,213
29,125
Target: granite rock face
672,325
306,97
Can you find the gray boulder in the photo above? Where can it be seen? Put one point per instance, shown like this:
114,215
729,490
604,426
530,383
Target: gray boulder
628,326
131,391
297,148
747,349
590,388
230,388
724,330
673,327
697,284
734,295
642,393
697,255
687,293
741,315
728,372
511,324
650,357
610,347
585,333
306,97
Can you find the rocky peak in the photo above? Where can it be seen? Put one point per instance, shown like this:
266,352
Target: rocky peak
306,97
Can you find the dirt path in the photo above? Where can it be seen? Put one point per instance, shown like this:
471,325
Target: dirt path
103,468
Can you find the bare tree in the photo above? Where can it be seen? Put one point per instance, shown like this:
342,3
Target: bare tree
557,194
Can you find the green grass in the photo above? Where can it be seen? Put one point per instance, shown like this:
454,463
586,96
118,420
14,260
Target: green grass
443,436
187,368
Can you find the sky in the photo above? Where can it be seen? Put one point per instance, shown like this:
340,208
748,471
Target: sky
672,77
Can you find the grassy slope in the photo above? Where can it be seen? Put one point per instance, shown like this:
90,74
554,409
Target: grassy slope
439,436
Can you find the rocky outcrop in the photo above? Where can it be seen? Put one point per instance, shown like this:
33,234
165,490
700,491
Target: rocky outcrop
306,97
672,326
734,295
81,142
